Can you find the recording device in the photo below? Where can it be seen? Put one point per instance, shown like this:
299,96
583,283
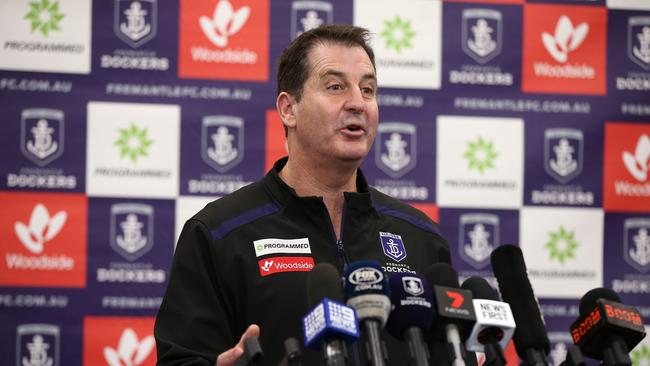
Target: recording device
606,329
454,312
530,338
252,355
412,314
494,322
330,325
292,353
366,291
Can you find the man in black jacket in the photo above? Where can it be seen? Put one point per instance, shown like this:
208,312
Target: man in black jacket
241,263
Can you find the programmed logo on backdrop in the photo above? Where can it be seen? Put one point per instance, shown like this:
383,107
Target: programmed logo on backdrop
561,166
627,166
133,149
116,341
629,51
134,241
563,244
139,29
479,160
407,43
44,240
564,49
228,157
222,39
628,4
478,53
47,35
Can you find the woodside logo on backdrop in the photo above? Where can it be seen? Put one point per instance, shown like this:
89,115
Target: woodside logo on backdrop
564,49
224,40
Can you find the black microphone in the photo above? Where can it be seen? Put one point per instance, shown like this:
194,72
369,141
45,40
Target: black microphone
412,314
530,338
367,291
454,312
494,322
330,325
292,353
606,329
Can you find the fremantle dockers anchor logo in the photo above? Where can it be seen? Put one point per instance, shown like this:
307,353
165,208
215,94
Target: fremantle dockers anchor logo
478,236
412,285
393,246
481,34
131,229
41,135
37,345
307,15
135,22
222,141
563,154
638,41
636,243
396,149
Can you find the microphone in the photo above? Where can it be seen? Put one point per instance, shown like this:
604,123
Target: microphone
366,291
531,340
412,314
292,353
330,324
252,353
494,322
606,329
454,313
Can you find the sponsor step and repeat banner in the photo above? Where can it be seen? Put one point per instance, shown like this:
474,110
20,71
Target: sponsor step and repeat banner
507,121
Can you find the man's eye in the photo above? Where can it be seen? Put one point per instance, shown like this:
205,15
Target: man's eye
368,90
335,87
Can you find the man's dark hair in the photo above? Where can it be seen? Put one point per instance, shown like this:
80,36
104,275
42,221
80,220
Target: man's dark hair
293,68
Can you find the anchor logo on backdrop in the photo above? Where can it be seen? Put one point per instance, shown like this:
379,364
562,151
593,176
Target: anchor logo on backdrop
131,229
41,135
222,141
307,15
478,236
482,34
38,345
393,246
396,151
563,153
412,285
636,243
135,22
638,40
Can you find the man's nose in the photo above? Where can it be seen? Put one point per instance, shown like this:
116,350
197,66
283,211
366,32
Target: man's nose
355,101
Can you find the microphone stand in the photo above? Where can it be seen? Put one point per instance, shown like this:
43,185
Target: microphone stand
616,354
494,355
419,352
375,351
574,357
535,357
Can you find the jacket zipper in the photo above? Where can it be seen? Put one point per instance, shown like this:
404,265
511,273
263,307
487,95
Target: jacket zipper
340,249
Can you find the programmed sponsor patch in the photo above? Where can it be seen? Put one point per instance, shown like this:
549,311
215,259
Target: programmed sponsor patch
285,246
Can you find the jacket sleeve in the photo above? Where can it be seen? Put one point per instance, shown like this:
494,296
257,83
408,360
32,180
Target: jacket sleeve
194,323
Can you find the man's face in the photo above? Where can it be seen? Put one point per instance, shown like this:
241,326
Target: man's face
336,119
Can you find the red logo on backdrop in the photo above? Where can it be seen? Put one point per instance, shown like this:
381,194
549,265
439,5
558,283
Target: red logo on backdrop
119,341
490,1
457,299
285,264
429,209
626,183
275,139
564,49
224,39
44,239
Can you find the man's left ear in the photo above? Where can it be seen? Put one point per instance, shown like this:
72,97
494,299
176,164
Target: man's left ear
285,105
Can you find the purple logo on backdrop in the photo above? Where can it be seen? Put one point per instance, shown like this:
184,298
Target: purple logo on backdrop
37,345
478,236
41,135
307,15
563,154
222,141
396,150
638,40
393,246
636,243
481,34
412,285
131,229
135,21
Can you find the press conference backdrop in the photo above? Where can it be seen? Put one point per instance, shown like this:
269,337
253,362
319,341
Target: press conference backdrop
507,121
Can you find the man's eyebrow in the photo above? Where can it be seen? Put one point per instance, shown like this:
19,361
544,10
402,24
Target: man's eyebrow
368,76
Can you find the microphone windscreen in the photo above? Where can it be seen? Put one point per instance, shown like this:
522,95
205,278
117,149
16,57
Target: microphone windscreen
510,270
412,301
365,277
588,301
480,288
323,281
441,274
